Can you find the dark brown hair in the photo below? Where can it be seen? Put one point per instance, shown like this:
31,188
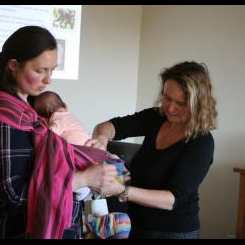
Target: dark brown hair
47,103
24,44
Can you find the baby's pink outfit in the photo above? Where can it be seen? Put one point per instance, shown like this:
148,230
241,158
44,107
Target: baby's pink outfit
68,127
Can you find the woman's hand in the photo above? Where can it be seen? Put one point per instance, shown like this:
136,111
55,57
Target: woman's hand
114,188
100,142
95,176
102,133
126,175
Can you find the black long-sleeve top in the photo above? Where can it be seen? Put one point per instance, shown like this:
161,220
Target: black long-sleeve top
179,168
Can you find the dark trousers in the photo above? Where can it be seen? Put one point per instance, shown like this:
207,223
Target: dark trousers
137,233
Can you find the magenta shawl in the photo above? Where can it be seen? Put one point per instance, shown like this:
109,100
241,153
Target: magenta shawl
50,198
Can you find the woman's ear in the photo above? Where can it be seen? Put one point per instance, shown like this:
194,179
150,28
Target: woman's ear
13,64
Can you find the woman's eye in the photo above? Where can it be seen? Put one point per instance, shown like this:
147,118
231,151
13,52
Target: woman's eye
39,71
166,98
182,104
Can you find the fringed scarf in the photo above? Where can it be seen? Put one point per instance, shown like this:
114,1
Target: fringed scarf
50,198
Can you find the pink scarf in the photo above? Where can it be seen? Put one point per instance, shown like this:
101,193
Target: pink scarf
50,198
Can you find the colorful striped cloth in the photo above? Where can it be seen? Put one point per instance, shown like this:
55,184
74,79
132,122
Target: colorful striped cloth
119,163
50,198
113,225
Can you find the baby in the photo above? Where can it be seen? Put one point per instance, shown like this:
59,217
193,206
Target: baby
51,107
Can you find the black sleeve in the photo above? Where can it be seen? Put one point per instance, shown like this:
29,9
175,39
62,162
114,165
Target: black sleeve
133,125
192,167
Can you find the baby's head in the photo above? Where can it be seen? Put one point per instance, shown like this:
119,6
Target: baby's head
47,103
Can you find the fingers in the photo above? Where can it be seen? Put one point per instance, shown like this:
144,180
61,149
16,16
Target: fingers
126,178
96,143
100,174
109,173
113,188
96,190
90,142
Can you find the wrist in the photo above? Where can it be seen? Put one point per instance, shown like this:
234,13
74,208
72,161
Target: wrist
123,197
78,180
103,140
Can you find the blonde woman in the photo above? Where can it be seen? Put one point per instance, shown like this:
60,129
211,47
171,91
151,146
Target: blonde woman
175,156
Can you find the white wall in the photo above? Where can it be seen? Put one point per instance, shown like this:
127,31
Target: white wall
214,35
109,64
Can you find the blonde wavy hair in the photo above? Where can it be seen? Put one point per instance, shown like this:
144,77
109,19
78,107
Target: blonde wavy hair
194,79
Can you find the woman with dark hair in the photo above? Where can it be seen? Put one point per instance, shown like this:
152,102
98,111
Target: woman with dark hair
37,167
174,158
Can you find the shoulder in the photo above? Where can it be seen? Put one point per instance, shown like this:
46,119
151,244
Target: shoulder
205,141
205,138
152,112
149,114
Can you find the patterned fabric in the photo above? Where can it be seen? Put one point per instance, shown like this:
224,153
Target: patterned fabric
113,226
50,198
76,229
119,163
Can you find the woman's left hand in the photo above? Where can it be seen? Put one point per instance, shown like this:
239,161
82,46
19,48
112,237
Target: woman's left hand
115,188
126,175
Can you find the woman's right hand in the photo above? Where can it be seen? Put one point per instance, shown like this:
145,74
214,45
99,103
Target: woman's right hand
100,142
102,133
95,176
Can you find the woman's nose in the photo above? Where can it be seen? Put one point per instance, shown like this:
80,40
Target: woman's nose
171,107
47,79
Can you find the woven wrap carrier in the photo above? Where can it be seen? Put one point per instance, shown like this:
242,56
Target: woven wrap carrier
50,198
